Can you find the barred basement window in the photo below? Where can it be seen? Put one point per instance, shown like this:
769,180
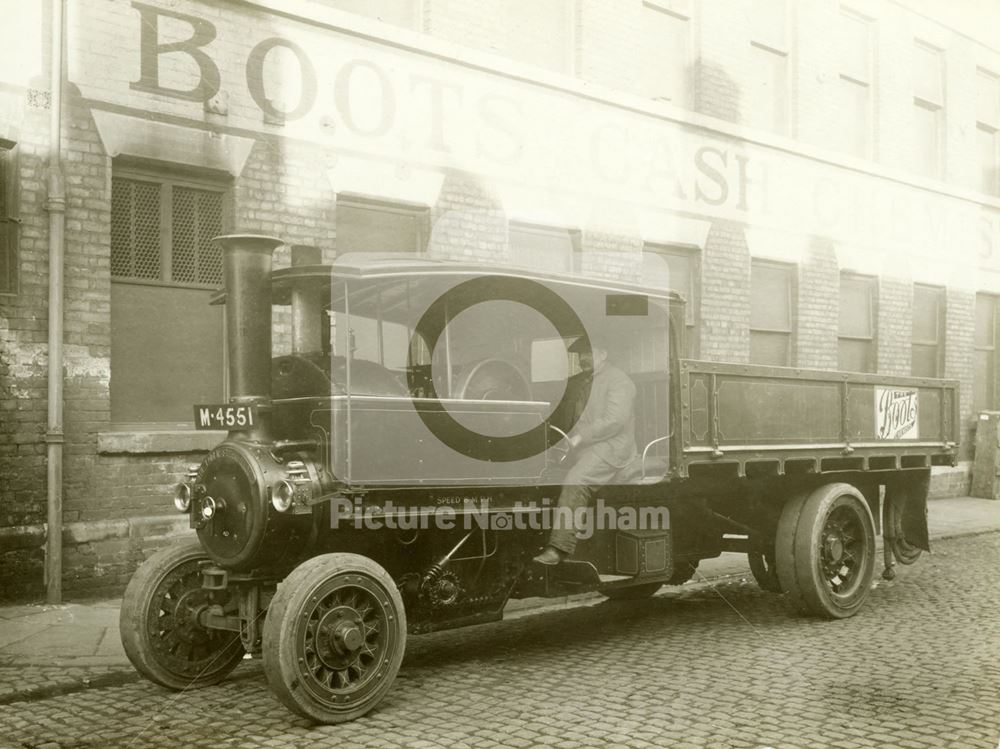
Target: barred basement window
9,223
166,340
162,231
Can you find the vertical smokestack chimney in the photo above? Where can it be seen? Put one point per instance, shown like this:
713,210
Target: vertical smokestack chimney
246,266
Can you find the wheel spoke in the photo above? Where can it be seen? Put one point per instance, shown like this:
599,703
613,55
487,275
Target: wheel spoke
328,666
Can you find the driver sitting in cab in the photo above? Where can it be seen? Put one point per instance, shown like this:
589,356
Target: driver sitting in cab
602,439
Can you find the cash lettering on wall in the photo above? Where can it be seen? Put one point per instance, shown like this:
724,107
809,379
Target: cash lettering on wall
573,150
896,411
379,100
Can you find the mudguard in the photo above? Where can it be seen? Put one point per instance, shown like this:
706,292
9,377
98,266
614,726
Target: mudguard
906,510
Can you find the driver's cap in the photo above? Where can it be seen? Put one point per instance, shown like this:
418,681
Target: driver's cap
580,344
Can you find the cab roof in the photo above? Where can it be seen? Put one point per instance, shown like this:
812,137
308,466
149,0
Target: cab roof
377,267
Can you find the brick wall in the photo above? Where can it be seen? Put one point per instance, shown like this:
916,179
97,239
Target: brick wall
87,483
893,336
538,33
468,220
893,88
725,294
950,482
816,74
606,52
23,358
818,307
959,357
611,255
718,93
285,190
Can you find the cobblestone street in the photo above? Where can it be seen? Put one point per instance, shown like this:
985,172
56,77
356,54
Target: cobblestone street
713,665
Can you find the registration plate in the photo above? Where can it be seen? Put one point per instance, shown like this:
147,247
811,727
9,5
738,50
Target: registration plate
225,417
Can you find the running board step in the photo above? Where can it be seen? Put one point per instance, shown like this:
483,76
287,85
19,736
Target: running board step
615,578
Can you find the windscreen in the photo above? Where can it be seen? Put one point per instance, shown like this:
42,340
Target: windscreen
483,375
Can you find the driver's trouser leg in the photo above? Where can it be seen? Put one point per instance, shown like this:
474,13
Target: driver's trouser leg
588,474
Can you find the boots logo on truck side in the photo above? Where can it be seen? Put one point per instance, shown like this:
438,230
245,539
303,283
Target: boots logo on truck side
896,414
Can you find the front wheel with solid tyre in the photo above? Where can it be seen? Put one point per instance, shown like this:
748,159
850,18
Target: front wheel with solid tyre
825,551
334,637
159,622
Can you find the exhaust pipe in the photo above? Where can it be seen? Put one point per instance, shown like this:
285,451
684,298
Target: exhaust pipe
307,304
246,266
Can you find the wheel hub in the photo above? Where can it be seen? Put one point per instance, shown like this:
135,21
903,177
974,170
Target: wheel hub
340,637
834,548
841,551
189,606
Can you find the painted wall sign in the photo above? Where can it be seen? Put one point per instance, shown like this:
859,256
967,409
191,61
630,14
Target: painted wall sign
385,102
896,413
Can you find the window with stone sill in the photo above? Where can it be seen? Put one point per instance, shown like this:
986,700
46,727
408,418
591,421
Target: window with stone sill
854,86
927,357
545,248
988,130
928,110
667,59
772,312
984,377
373,225
678,269
856,331
167,341
767,95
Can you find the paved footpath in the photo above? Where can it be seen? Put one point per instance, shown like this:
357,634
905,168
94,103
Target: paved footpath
714,663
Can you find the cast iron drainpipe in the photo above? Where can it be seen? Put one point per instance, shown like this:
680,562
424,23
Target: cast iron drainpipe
55,204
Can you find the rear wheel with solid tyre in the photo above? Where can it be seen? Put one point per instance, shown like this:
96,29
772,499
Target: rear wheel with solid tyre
334,637
764,568
825,551
683,572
